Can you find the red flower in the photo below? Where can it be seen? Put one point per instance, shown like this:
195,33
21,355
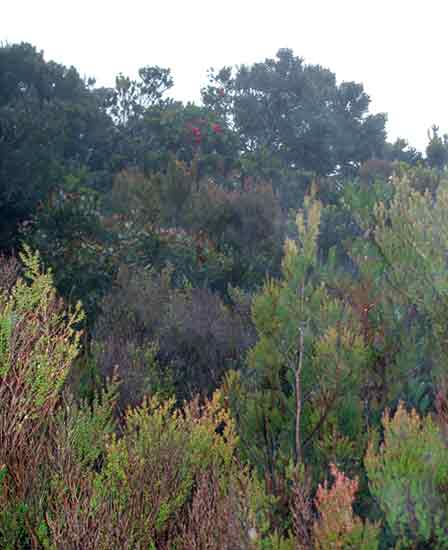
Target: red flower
196,135
216,128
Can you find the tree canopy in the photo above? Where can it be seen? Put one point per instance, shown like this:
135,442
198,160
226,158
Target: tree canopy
298,112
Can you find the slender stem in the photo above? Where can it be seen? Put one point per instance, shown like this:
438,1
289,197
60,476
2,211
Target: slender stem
299,397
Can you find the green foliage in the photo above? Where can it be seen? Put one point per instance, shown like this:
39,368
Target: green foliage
131,98
69,234
86,427
284,377
408,475
401,151
437,149
49,341
96,489
39,341
147,475
166,220
406,256
298,113
50,120
13,531
243,224
277,542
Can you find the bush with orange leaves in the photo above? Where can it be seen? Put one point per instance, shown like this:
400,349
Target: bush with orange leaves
337,526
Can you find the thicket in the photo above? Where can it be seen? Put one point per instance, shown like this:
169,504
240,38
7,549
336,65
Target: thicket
234,332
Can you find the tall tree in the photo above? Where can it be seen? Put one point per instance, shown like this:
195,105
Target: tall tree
51,121
298,112
401,151
131,98
437,149
295,395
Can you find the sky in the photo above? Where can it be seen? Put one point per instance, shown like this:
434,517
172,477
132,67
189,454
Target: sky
396,48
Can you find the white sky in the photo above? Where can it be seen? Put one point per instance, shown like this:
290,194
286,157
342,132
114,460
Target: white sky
396,48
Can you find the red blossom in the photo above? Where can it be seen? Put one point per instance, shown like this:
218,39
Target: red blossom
196,135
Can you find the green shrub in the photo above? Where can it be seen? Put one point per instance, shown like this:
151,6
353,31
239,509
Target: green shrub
408,475
38,343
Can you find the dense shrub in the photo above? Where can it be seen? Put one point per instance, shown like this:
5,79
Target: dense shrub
337,526
9,272
38,342
408,475
67,479
158,338
245,222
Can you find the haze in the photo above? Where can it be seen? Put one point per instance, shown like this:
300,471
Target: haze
395,48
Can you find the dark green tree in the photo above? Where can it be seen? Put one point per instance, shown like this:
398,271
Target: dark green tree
437,149
401,151
51,123
298,113
131,98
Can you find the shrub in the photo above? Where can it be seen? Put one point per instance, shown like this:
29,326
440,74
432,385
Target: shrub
337,527
9,272
38,342
201,339
125,333
247,223
161,339
214,520
141,491
408,475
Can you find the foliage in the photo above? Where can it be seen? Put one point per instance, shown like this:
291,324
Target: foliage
197,337
437,149
69,233
38,342
245,224
50,120
220,379
408,244
292,400
337,526
407,474
401,151
297,112
130,98
146,477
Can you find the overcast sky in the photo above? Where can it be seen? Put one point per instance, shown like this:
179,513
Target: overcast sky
396,48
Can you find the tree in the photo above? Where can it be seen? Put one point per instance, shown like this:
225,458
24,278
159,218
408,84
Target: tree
131,98
309,352
297,112
401,151
51,122
73,240
409,245
437,149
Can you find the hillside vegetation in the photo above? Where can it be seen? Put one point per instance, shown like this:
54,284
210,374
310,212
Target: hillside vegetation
222,326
